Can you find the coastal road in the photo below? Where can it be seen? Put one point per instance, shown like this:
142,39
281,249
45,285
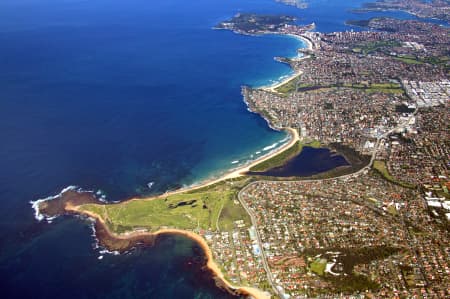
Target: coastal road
258,239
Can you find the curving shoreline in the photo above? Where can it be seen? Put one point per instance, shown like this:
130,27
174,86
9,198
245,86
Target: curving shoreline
240,171
236,173
309,46
69,200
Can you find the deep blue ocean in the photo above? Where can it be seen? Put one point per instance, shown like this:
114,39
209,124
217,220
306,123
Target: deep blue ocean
112,95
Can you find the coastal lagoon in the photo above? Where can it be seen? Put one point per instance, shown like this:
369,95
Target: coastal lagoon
309,162
113,95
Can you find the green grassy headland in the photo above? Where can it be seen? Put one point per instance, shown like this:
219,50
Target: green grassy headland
210,208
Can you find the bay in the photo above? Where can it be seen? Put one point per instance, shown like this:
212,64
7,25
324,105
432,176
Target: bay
112,95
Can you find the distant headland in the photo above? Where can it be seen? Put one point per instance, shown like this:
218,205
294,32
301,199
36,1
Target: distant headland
196,211
254,24
253,226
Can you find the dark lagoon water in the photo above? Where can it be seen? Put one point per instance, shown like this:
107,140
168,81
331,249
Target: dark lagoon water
113,94
309,162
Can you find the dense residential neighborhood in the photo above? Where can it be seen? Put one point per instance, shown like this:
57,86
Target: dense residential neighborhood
380,232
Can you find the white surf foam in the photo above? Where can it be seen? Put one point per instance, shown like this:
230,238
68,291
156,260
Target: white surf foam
267,148
150,185
285,139
35,204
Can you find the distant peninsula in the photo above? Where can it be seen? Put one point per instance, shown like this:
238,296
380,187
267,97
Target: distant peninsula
247,23
435,9
301,4
254,24
378,226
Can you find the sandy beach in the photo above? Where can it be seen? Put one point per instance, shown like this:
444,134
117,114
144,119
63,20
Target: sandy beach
306,40
128,240
132,236
273,88
236,173
297,73
211,265
239,172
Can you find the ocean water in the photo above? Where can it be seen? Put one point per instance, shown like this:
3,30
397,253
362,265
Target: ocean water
111,95
330,15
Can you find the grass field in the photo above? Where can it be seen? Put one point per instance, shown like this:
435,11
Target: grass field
289,86
442,60
371,47
292,86
318,266
409,60
204,209
284,156
385,90
393,88
381,167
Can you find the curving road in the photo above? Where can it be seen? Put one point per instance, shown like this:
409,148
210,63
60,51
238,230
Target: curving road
270,278
258,238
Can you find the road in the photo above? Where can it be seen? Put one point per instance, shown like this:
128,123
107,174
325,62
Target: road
270,278
258,238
